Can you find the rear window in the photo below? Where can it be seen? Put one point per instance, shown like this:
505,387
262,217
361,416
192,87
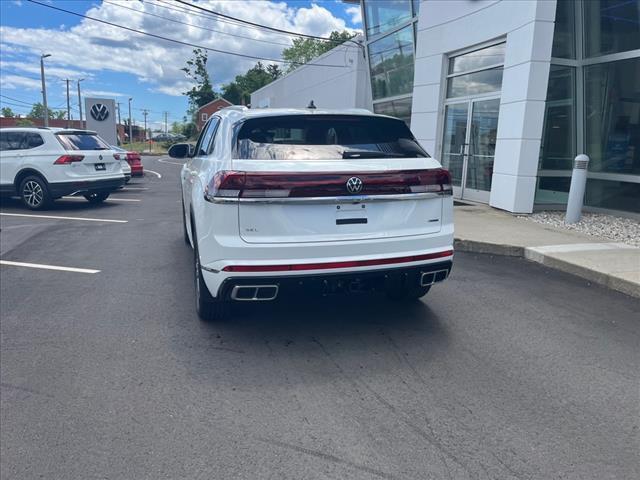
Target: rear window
309,137
81,141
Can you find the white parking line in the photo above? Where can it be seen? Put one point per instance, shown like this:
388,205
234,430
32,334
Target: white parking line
48,267
56,217
162,160
151,171
108,199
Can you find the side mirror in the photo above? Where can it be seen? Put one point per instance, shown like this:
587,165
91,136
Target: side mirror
181,150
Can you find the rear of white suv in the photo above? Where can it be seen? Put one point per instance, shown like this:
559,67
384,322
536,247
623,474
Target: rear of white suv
41,164
278,201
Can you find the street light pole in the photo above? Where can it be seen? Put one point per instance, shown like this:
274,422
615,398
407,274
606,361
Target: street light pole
44,89
68,106
82,125
130,128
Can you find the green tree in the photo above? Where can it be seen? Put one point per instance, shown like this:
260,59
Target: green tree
24,122
59,114
239,91
304,50
7,112
37,111
202,92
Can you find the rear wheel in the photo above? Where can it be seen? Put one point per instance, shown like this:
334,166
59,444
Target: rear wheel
407,293
209,309
96,197
35,193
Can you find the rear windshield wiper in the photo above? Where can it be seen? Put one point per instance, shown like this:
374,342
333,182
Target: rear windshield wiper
370,154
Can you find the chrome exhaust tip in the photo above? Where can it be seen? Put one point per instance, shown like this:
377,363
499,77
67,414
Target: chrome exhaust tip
429,278
254,293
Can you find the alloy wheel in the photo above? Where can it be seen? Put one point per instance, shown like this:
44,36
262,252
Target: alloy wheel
33,194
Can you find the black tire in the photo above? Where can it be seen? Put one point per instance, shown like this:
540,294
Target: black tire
96,198
34,193
407,294
209,309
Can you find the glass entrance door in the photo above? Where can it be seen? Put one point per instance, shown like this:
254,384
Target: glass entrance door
469,145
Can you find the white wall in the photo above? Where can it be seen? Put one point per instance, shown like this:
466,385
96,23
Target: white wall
447,26
346,85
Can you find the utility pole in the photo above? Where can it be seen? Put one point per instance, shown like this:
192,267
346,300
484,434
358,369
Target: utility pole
130,126
82,125
145,112
44,89
68,105
166,128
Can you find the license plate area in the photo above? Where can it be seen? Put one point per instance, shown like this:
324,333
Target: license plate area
100,166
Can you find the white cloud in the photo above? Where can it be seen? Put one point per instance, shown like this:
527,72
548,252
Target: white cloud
13,82
356,14
90,47
103,93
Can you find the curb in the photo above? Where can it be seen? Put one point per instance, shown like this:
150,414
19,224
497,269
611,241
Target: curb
614,283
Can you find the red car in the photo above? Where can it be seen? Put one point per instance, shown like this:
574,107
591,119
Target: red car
133,159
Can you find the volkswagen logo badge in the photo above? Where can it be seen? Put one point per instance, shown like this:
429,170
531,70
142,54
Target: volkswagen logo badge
354,185
99,112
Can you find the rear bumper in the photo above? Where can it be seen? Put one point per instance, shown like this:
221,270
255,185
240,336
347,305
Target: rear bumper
137,170
60,189
344,282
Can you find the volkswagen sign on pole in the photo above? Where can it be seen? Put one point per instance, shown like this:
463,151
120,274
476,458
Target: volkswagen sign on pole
101,118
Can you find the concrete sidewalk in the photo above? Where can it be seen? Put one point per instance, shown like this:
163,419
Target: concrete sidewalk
482,229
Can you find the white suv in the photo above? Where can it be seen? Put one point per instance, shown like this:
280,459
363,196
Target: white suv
338,201
42,164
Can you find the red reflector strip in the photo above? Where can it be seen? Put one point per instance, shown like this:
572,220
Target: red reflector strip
330,265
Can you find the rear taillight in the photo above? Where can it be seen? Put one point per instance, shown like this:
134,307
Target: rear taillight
116,156
67,159
235,184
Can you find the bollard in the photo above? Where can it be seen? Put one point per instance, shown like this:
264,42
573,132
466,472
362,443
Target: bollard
576,190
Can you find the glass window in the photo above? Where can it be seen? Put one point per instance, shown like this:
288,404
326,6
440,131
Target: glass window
485,57
395,108
213,126
33,140
416,7
612,110
485,81
11,141
202,147
324,137
81,141
553,190
611,26
383,15
613,195
558,135
391,61
564,40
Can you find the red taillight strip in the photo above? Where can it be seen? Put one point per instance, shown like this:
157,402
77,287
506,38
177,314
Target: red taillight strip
240,184
330,265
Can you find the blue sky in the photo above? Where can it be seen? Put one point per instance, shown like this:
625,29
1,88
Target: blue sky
120,64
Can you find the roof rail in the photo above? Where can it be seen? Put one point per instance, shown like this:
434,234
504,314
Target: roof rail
240,108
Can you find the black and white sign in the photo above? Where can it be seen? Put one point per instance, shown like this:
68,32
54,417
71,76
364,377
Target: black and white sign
99,112
101,118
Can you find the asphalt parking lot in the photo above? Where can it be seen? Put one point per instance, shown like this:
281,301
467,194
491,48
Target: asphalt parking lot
507,370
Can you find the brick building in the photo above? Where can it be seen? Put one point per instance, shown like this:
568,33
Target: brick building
205,111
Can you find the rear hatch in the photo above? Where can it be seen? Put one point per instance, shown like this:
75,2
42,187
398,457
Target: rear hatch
87,154
324,178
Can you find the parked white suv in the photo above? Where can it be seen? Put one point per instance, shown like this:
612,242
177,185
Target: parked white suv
338,201
42,164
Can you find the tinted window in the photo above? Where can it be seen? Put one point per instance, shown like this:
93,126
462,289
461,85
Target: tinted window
33,140
308,137
11,140
391,60
202,146
213,127
81,141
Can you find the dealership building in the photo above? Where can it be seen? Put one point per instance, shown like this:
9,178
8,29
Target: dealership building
504,92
